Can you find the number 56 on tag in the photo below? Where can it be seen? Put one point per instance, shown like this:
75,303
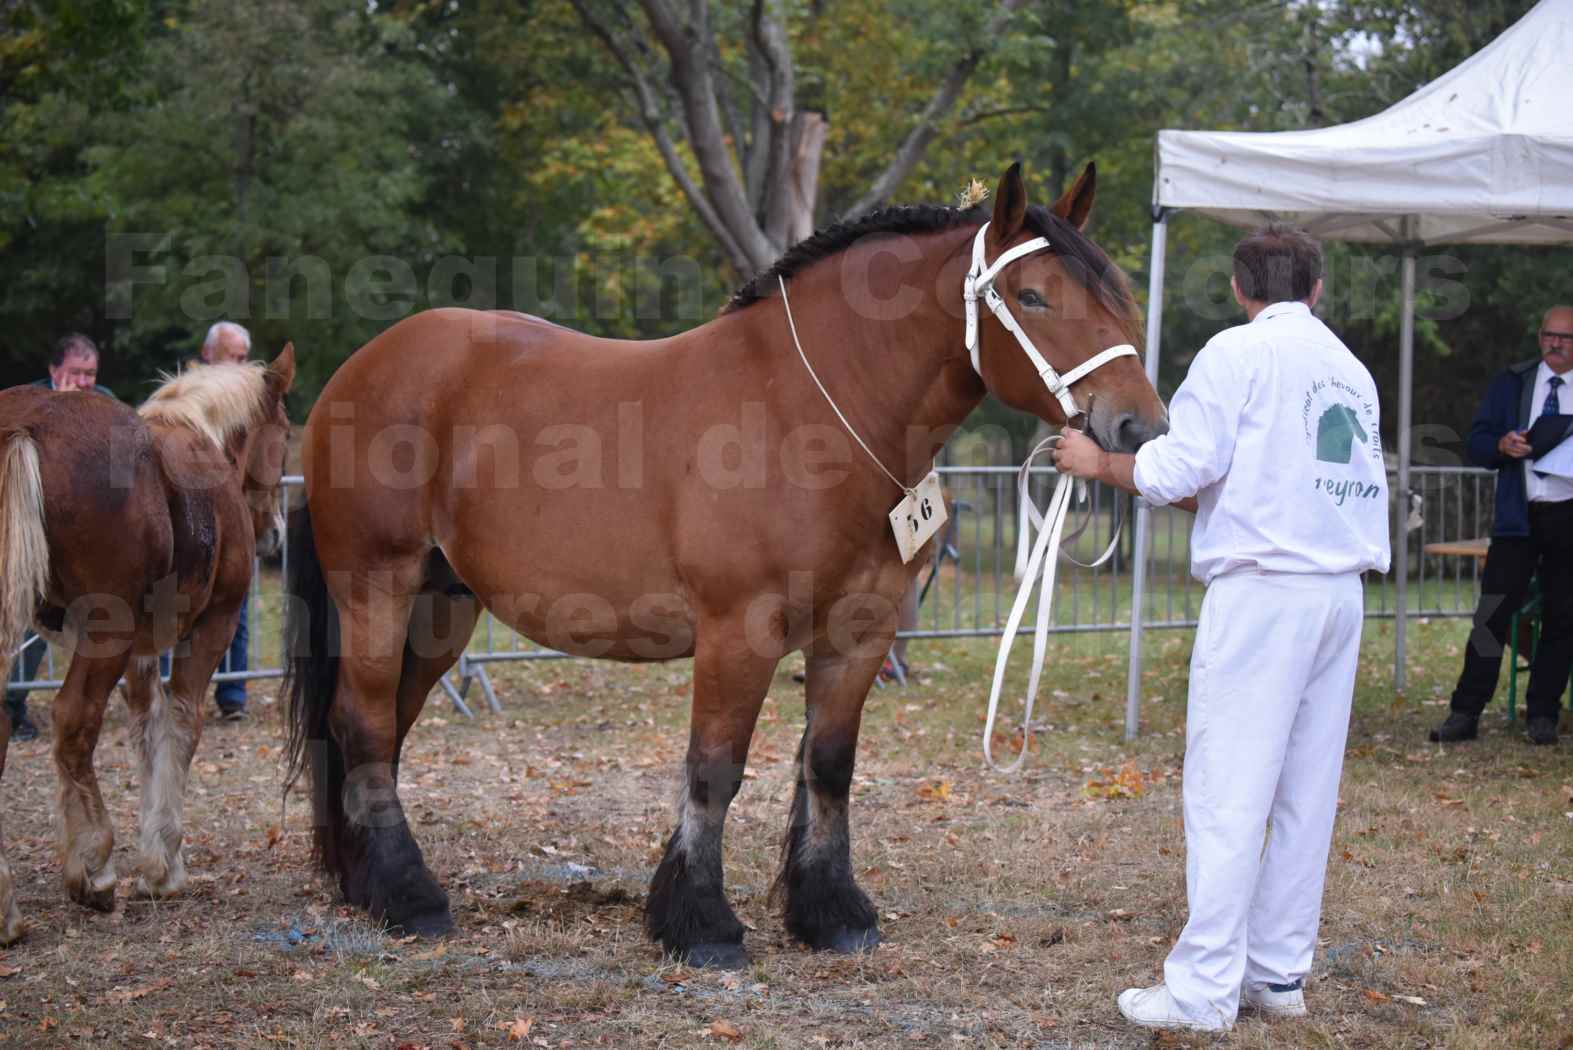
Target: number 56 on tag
918,517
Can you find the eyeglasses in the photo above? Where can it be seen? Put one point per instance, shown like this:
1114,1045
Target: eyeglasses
1557,337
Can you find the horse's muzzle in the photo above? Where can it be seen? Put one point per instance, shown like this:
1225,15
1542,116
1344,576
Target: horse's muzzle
1131,432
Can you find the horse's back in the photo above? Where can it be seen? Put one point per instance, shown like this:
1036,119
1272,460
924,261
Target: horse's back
529,453
104,508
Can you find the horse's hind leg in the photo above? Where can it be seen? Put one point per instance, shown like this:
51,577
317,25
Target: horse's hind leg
11,927
382,869
441,623
167,725
86,837
687,909
440,627
821,902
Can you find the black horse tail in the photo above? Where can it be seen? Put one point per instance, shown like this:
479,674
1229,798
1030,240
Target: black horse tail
311,680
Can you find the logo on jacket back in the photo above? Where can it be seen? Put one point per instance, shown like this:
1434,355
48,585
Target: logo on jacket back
1340,426
1336,432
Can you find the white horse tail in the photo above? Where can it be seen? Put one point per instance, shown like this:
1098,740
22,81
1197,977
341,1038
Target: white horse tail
24,549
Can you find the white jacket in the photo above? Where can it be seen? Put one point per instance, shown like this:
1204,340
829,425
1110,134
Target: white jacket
1275,431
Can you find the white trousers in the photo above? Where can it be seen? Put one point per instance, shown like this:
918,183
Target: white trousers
1272,681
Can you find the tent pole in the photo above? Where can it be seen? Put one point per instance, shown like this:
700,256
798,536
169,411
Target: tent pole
1133,673
1406,382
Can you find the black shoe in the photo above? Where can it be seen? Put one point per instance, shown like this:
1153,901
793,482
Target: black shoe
1458,726
23,729
232,712
1542,731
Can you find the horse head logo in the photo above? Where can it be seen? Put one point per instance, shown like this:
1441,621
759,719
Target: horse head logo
1336,432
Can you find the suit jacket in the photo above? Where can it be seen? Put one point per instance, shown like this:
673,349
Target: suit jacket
1506,407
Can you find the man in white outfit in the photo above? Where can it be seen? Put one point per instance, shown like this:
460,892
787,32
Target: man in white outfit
1275,434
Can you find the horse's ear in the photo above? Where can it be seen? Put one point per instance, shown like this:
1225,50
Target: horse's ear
1076,204
1010,206
281,373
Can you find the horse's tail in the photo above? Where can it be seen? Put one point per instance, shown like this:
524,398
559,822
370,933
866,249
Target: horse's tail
311,680
24,549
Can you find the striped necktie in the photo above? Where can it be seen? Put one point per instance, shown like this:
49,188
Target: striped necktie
1552,407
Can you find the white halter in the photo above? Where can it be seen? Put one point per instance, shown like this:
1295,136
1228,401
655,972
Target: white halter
980,281
1038,566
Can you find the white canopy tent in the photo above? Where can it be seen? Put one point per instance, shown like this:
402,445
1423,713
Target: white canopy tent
1481,155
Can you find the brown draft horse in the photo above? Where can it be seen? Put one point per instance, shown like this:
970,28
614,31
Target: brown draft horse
122,534
456,462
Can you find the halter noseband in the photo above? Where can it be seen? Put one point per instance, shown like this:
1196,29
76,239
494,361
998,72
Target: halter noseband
980,281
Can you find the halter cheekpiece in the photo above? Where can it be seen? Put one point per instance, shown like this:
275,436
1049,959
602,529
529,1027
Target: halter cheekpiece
980,282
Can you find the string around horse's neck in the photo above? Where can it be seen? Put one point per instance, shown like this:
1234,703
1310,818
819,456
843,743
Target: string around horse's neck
786,304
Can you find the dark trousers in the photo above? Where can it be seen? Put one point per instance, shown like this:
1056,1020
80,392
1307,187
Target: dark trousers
25,670
230,694
1510,564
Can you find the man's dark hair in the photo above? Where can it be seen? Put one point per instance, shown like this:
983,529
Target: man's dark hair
70,345
1277,263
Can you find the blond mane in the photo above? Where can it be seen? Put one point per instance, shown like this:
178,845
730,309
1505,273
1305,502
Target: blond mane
214,400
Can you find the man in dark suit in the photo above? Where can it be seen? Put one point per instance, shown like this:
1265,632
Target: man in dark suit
1532,533
73,365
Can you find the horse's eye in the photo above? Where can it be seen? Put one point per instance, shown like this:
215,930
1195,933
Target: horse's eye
1031,300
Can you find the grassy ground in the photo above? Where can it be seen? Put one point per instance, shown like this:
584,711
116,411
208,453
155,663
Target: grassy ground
1015,908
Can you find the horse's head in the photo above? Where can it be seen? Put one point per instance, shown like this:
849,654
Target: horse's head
1071,303
263,452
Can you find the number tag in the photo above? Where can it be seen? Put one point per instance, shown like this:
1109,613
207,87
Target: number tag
918,517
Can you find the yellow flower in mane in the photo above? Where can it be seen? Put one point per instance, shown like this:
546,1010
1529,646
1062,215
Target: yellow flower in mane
974,194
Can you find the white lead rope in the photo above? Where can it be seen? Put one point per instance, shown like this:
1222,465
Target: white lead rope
1041,564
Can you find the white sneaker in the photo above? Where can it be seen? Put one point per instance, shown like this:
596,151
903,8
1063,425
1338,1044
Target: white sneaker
1270,1003
1155,1008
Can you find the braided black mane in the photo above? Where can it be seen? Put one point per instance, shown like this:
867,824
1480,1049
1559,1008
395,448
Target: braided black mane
1084,259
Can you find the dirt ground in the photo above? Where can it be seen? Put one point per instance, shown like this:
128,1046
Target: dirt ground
1014,908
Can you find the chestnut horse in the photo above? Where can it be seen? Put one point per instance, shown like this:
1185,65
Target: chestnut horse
455,462
124,533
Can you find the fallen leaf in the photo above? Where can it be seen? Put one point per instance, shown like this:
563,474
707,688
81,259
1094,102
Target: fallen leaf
519,1029
725,1030
126,995
9,971
1375,996
939,791
275,833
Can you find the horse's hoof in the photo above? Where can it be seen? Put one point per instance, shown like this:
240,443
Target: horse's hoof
159,880
717,955
154,891
12,929
847,941
433,924
98,900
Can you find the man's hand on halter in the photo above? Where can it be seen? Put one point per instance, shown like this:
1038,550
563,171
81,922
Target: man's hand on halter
1080,456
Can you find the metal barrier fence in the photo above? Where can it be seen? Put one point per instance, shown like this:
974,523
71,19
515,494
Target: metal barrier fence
968,585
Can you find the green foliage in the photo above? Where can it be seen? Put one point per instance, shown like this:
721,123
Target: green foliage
317,168
267,175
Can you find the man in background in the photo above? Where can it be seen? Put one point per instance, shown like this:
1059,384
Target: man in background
1531,532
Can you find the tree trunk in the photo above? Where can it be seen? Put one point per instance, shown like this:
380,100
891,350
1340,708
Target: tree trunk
797,204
